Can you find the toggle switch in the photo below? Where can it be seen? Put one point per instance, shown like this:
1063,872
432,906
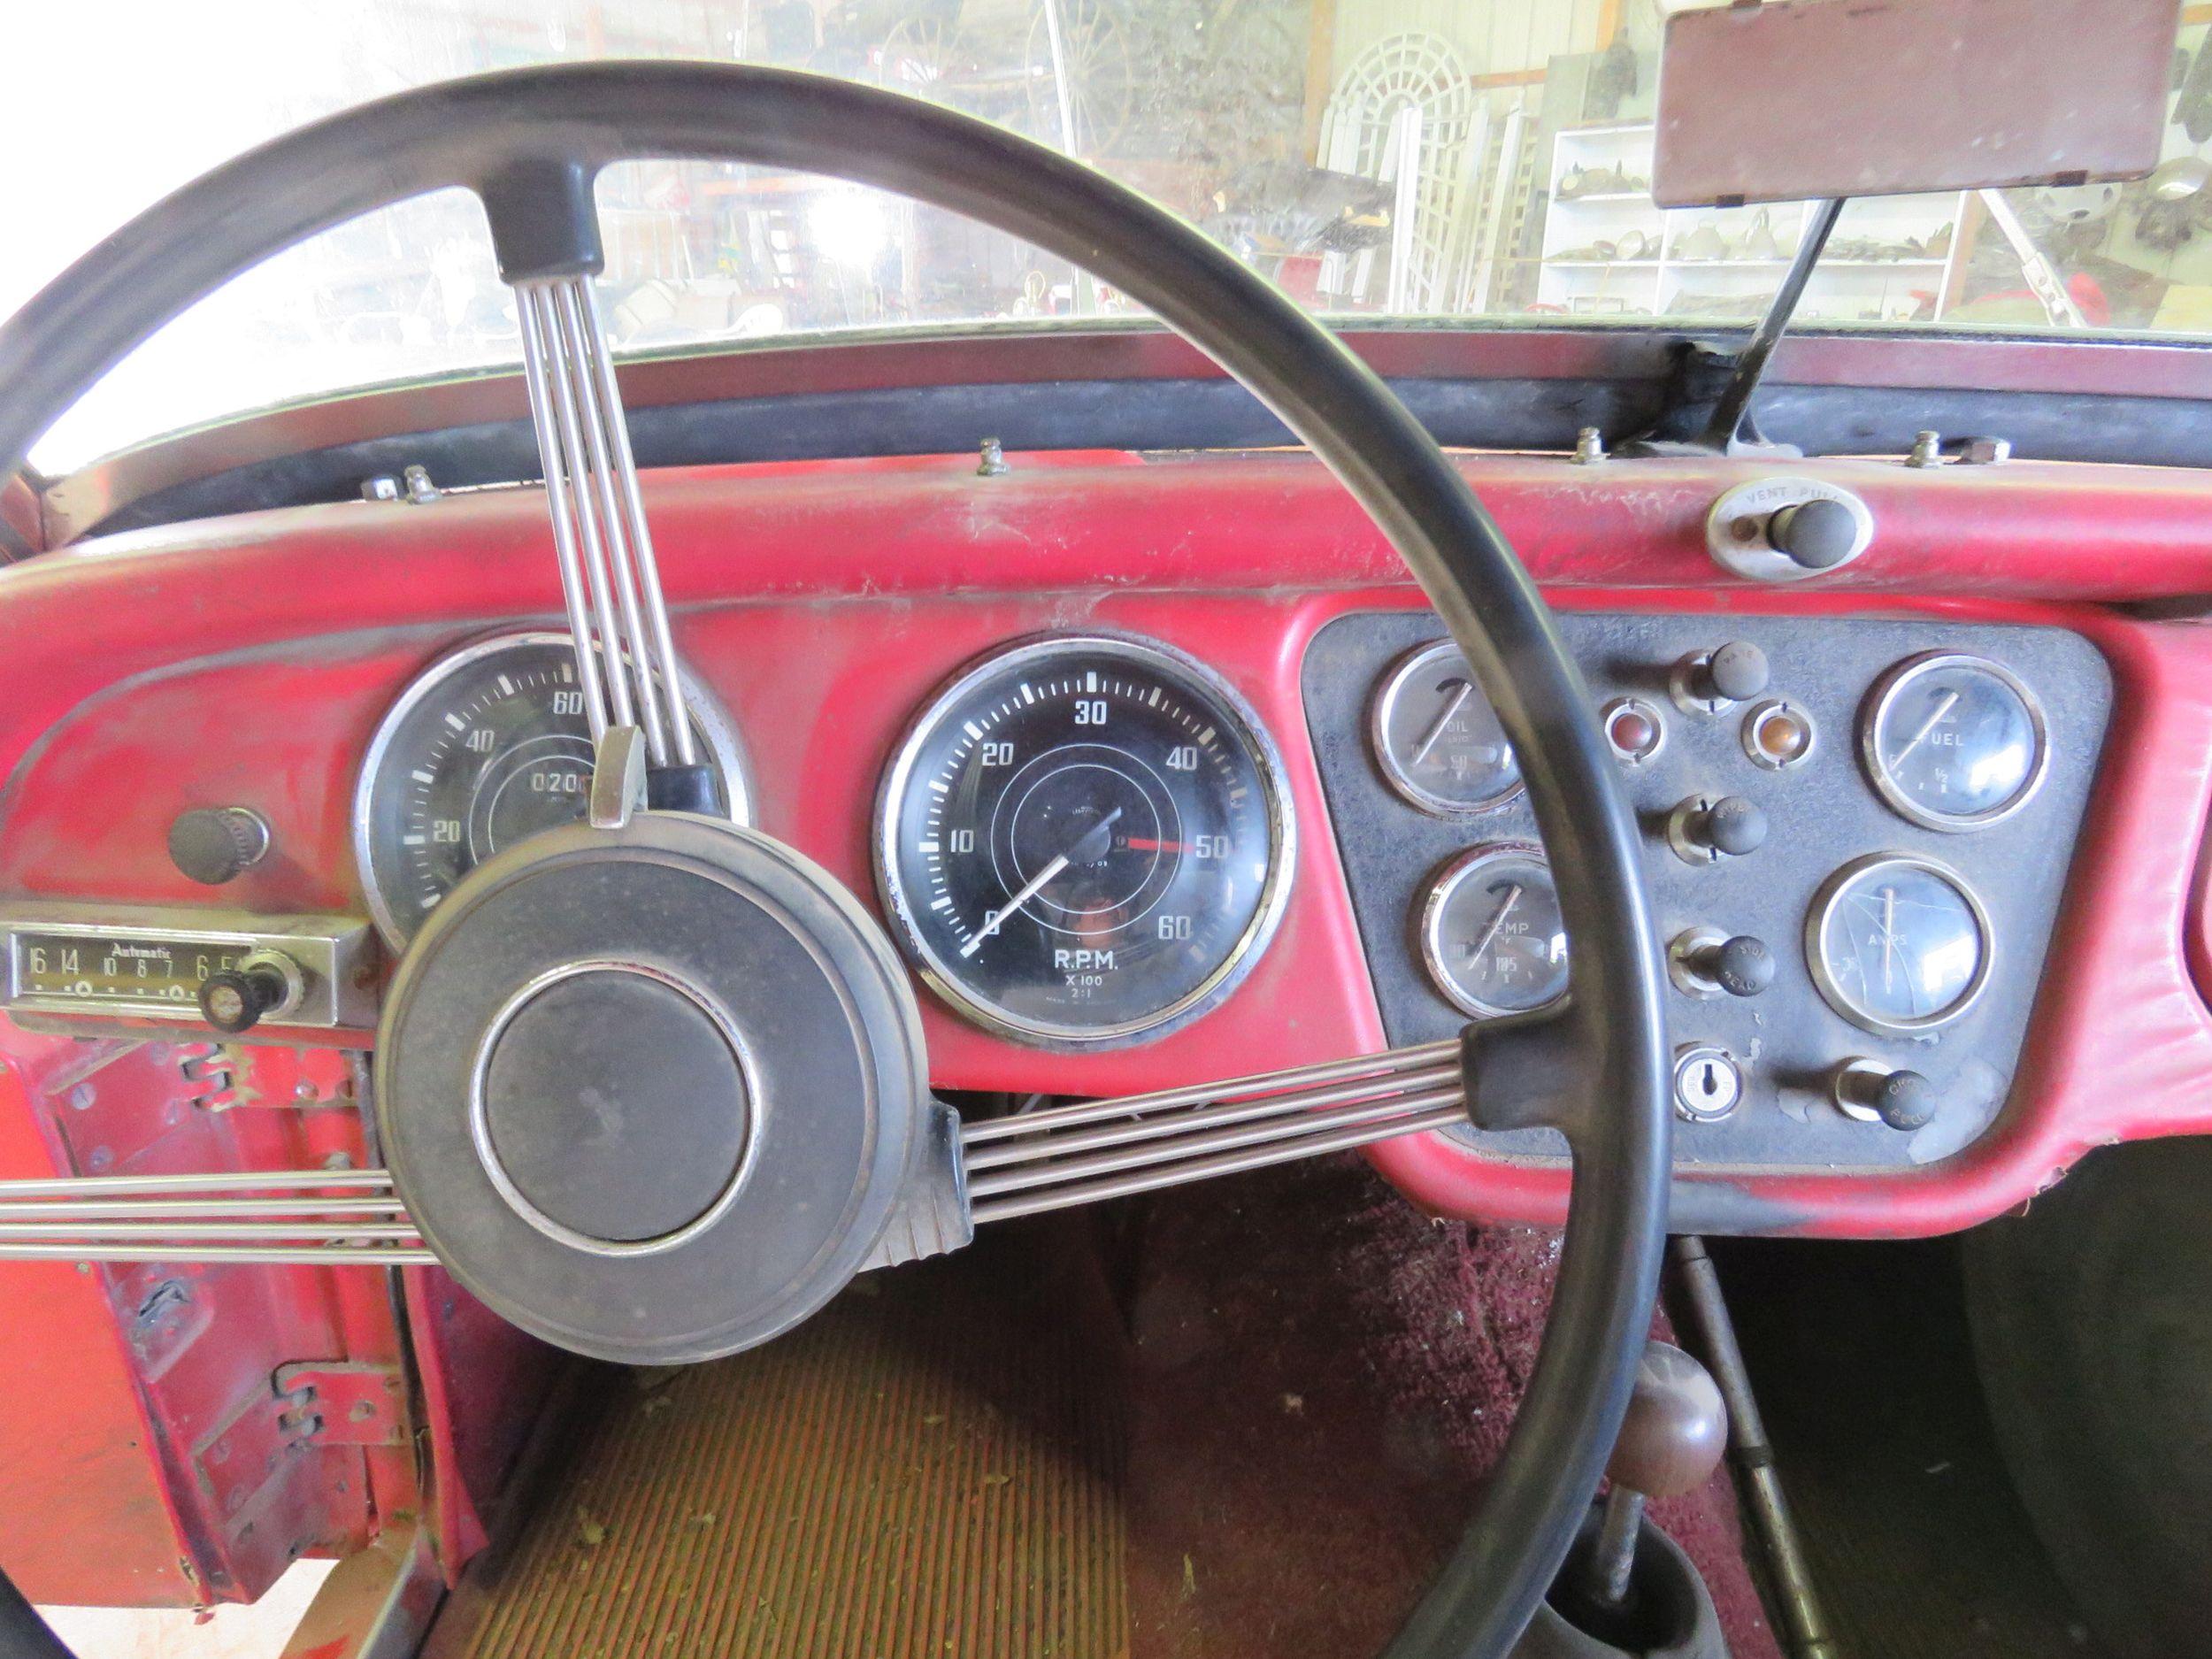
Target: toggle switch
1705,829
1705,962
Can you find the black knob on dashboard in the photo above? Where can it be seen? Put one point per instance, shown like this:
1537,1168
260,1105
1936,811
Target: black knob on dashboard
233,1000
1903,1100
1741,966
212,844
1736,670
1730,825
1816,535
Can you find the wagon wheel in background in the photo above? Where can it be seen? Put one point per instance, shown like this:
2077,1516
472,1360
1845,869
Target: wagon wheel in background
919,57
1101,84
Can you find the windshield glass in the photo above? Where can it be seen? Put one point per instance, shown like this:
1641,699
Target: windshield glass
1487,162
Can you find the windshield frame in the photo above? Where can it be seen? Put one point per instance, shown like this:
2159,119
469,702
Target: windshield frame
2136,399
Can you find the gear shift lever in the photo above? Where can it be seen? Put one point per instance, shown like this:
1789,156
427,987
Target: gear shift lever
1627,1591
1674,1436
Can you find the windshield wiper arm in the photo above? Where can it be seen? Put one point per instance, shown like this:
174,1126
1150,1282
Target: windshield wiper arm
1730,428
1726,428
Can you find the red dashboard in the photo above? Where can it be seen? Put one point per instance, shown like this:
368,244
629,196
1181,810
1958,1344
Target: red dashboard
249,661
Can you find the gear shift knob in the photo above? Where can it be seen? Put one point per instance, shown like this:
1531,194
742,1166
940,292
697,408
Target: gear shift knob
1674,1436
1676,1431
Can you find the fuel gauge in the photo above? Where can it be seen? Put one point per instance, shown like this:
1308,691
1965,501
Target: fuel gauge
1437,739
1491,933
1952,742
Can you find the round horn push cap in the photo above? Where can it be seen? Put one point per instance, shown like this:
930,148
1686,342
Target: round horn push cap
650,1094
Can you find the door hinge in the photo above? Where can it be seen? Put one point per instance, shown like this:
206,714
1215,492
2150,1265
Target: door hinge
343,1404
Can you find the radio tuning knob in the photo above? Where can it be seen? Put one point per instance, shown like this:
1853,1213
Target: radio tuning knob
212,844
266,985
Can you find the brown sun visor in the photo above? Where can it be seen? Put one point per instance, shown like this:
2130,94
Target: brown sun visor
1794,100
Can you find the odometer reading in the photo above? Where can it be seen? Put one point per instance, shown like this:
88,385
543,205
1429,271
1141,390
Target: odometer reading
1083,840
488,748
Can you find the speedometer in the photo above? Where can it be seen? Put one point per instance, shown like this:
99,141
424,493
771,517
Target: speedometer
488,747
1083,840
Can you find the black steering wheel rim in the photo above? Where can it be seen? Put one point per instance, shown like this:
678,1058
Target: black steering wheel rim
530,143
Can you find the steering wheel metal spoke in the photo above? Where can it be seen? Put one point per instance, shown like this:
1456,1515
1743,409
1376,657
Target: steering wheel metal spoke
299,1217
993,1170
610,578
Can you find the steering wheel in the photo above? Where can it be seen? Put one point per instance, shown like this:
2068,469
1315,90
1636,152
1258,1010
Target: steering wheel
530,145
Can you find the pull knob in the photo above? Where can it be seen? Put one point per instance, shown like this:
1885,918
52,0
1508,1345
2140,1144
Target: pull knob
1704,831
266,985
1872,1092
1733,673
1815,535
1705,963
212,844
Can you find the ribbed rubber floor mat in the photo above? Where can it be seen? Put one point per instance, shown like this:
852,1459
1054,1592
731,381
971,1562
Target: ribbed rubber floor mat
930,1467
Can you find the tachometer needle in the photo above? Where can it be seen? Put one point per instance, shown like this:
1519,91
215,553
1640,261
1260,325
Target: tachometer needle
1029,891
1443,721
1950,701
1031,887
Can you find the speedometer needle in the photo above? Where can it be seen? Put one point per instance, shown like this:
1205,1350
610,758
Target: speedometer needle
1031,887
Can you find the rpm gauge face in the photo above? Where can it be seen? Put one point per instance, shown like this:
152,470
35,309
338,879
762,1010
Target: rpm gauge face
1085,839
488,747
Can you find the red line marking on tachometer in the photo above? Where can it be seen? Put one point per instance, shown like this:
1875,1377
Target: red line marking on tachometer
1147,844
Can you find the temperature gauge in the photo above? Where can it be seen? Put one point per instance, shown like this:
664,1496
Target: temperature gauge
1954,742
1437,739
1491,933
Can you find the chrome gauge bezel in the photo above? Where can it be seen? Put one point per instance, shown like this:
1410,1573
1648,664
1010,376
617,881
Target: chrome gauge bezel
1381,705
1446,882
1152,654
1822,909
724,747
1884,691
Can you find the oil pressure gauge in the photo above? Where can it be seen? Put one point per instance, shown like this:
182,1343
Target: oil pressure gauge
1437,739
1952,742
1491,933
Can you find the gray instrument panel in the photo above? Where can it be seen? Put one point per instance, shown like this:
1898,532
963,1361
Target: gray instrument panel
1823,813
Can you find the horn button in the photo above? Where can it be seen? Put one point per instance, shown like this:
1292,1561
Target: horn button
612,1106
652,1093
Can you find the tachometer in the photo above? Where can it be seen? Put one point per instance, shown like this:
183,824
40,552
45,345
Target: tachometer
1085,839
487,748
